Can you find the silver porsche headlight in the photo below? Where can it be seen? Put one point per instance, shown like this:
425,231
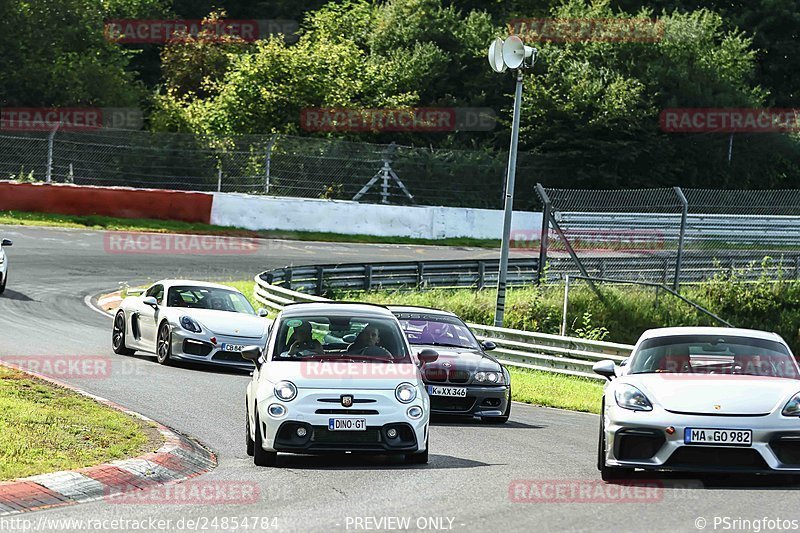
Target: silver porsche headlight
629,397
190,324
793,407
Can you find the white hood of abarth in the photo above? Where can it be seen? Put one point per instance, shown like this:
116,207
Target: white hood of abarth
715,394
228,323
342,375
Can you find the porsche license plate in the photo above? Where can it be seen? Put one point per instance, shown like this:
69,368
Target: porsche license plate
726,437
233,347
436,390
347,424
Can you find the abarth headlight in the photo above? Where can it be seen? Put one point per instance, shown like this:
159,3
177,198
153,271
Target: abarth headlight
285,390
405,393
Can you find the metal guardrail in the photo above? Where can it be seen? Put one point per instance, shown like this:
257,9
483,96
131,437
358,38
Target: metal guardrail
536,351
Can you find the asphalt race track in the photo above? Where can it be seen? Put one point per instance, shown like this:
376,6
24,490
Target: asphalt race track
464,488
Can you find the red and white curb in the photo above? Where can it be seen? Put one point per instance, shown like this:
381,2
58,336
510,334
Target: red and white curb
178,459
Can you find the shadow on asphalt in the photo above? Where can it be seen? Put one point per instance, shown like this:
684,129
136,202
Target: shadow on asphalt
194,367
18,296
721,481
372,462
454,421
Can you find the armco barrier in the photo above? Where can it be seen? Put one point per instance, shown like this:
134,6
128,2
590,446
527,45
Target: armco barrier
119,202
537,351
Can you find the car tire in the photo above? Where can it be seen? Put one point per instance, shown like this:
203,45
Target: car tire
118,335
608,473
251,445
3,284
262,457
420,458
164,344
500,419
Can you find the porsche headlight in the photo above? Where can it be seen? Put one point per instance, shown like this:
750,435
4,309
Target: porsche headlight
793,407
405,393
285,390
190,324
629,397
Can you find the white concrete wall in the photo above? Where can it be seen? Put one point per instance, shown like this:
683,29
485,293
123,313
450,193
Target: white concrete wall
352,218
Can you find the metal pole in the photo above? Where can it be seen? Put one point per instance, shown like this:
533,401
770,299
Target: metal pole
543,242
679,259
219,179
268,162
730,148
564,311
509,206
50,141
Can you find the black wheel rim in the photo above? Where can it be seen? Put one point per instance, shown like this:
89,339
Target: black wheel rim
119,331
163,344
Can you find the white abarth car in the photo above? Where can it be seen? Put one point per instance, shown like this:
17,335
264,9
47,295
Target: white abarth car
701,400
4,264
336,378
189,321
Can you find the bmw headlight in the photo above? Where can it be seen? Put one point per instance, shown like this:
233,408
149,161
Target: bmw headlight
405,393
629,397
190,324
793,407
285,390
490,378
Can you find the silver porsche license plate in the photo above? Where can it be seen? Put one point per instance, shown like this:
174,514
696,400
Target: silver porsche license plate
726,437
436,390
347,424
233,347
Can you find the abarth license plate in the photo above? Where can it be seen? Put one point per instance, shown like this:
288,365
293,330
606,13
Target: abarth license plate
347,424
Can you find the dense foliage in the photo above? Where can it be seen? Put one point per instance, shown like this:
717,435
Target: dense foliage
590,111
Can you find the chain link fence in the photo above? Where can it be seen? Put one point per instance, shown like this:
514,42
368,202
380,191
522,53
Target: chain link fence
279,165
670,236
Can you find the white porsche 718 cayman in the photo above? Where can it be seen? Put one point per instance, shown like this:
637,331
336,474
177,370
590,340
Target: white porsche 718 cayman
189,321
702,400
337,378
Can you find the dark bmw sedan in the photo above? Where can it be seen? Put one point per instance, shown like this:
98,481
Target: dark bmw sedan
464,380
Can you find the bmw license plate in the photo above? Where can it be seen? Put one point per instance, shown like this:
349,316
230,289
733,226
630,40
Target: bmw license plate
436,390
232,347
347,424
725,437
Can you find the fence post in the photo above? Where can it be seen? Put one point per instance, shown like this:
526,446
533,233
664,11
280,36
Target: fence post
564,312
679,258
50,141
420,274
219,179
268,162
482,274
543,240
320,274
367,277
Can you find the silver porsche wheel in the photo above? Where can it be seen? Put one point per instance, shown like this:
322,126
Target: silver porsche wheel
164,345
118,335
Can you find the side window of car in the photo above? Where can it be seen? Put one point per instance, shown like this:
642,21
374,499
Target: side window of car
157,292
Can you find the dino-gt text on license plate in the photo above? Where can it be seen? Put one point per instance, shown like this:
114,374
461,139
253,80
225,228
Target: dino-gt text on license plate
347,424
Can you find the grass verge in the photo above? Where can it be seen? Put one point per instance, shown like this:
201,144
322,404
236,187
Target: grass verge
46,428
171,226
